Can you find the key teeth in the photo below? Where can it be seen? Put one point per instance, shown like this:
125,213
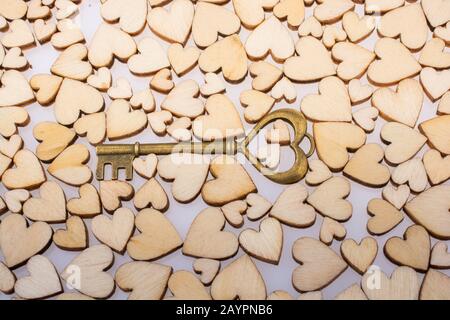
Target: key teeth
117,162
100,173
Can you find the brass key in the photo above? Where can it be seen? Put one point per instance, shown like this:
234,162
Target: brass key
121,156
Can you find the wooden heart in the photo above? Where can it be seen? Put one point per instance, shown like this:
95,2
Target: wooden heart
402,285
86,274
42,282
28,173
14,59
437,167
292,10
13,9
87,205
437,130
47,87
311,53
396,196
408,23
210,20
13,199
186,286
279,134
437,12
113,192
240,279
146,168
114,232
354,292
143,99
331,229
182,100
290,208
231,182
15,89
284,89
65,9
54,139
332,10
331,35
258,206
328,199
412,251
70,63
19,35
68,34
402,106
320,265
51,207
251,13
182,59
430,209
180,129
75,97
234,211
358,92
100,80
354,60
365,166
403,141
365,118
205,238
10,118
357,28
109,42
435,83
145,280
443,32
19,242
265,75
318,172
266,244
121,89
411,172
385,216
331,104
70,167
359,256
396,63
310,27
433,54
440,258
257,104
208,269
174,25
333,139
93,126
162,81
213,84
75,237
158,236
227,55
150,59
122,122
151,194
270,37
131,15
435,286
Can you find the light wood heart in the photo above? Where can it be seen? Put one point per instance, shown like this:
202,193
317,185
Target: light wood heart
174,25
121,122
28,173
121,89
210,20
162,81
266,244
437,130
19,242
227,55
395,63
358,92
186,286
284,89
310,27
396,196
93,126
357,28
150,59
213,85
436,12
70,63
145,280
208,269
42,282
151,194
114,232
70,167
433,54
257,104
234,211
54,139
143,99
430,210
232,182
332,10
402,285
293,11
404,142
87,205
131,15
13,199
320,265
360,256
402,106
158,236
440,257
435,286
86,272
354,60
14,59
46,87
331,229
51,207
265,75
112,192
182,59
100,80
411,172
258,206
385,216
15,89
146,168
74,237
13,9
412,251
318,172
240,279
19,35
205,238
365,166
333,139
328,199
10,118
331,104
68,34
290,207
75,97
251,13
437,167
435,83
109,42
182,100
311,53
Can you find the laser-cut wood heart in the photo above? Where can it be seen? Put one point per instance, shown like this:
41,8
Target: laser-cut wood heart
251,13
122,121
359,256
331,35
10,118
28,173
15,89
411,172
14,199
185,286
121,89
112,192
357,28
436,11
435,83
265,75
435,286
310,27
54,139
93,126
396,196
354,60
100,80
11,146
384,216
365,118
292,10
437,167
88,204
332,10
437,131
70,64
68,34
331,229
318,172
433,54
151,194
182,101
19,35
131,15
150,59
257,104
440,258
47,87
234,211
50,207
75,237
70,167
7,279
258,206
13,9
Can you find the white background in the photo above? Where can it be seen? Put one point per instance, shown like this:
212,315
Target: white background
277,277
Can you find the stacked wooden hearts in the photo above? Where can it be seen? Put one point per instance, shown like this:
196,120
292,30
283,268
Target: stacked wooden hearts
372,132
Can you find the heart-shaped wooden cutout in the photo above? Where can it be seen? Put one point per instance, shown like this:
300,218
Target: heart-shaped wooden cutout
150,59
19,35
265,75
122,122
435,286
68,34
292,10
15,89
121,89
357,28
437,167
7,279
112,192
13,199
433,54
208,269
182,59
70,63
331,229
131,18
310,27
70,167
234,212
75,237
186,286
332,10
257,104
10,118
28,173
411,172
88,204
354,60
151,194
182,100
51,207
437,130
359,256
54,139
396,196
258,206
435,83
385,216
440,257
47,87
93,126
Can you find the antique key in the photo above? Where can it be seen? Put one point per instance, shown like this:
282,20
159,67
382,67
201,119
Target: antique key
121,156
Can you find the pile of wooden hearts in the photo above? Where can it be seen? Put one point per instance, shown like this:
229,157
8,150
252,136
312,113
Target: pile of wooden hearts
410,54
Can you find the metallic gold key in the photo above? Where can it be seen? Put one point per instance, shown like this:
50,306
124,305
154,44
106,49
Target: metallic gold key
121,156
